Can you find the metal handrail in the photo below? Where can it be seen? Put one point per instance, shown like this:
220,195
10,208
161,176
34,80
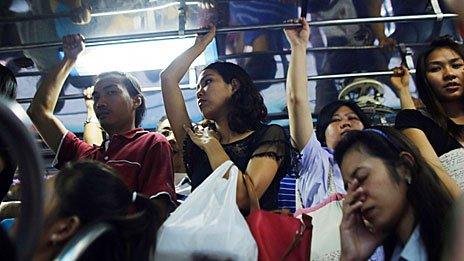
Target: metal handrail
131,38
317,49
96,13
336,76
272,81
284,52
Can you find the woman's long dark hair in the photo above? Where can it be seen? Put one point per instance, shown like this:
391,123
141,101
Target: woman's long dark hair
426,91
248,111
94,193
427,195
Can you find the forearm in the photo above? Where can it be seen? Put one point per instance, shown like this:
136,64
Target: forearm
300,119
41,109
217,156
92,128
442,174
47,94
93,134
374,9
428,153
379,30
261,170
406,99
174,103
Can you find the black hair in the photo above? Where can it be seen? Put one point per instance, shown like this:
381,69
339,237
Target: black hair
92,191
426,91
248,111
163,118
133,87
429,198
453,230
8,84
325,117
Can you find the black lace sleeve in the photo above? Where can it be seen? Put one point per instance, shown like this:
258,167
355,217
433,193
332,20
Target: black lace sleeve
275,143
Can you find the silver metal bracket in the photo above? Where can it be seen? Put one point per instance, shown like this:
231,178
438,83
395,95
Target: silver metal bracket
406,55
437,9
182,17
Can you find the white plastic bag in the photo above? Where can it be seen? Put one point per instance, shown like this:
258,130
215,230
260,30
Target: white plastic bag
208,223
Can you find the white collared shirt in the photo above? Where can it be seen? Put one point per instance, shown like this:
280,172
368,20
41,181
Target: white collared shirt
414,250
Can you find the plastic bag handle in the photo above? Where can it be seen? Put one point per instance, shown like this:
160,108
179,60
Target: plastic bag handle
226,174
232,178
250,187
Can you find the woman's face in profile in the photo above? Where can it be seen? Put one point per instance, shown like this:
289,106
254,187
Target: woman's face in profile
213,94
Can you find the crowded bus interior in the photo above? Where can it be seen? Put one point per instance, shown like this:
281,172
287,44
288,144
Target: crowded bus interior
231,130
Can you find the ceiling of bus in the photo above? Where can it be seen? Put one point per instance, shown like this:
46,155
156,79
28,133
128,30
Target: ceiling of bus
26,23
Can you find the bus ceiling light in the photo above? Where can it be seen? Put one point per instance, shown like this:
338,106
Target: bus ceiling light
139,56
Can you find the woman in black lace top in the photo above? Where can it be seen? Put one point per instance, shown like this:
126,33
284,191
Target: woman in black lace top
233,129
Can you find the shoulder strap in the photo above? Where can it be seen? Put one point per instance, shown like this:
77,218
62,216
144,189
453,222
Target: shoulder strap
330,180
298,199
252,196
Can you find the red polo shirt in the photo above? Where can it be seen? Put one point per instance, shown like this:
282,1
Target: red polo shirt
141,158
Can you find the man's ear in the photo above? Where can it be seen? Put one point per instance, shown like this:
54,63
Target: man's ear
235,85
64,229
137,101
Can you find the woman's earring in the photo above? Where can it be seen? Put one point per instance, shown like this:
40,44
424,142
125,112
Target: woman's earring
53,239
408,179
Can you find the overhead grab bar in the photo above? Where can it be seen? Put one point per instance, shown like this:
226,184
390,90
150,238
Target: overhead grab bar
97,13
272,81
131,38
252,54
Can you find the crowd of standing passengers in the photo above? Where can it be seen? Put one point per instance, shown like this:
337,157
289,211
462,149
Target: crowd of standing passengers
398,184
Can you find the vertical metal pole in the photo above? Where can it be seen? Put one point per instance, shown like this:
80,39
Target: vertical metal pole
182,19
437,26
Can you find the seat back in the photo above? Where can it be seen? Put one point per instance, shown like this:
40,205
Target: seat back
83,240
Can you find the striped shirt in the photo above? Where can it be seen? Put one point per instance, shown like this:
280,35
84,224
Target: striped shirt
287,193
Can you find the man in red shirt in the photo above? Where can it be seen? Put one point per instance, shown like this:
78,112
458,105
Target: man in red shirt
141,158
